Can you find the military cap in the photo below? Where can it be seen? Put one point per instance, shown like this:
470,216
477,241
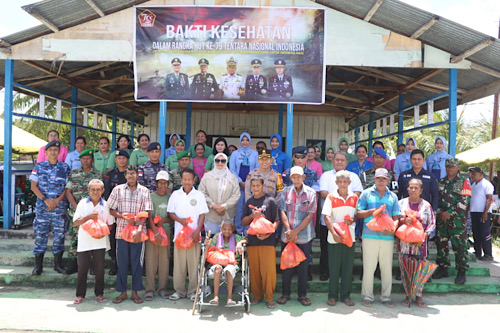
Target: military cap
122,152
280,63
182,154
299,150
264,153
87,152
379,152
452,161
203,61
153,146
256,63
231,62
53,144
176,61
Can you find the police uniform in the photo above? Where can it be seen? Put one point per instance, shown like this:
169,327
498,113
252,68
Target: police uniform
176,85
454,197
255,85
51,180
204,85
230,85
280,88
273,182
148,171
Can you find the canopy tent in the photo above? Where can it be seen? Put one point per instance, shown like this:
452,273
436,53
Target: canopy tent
22,141
486,152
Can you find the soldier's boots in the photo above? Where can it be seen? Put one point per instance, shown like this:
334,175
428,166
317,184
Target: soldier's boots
72,267
460,279
38,264
441,272
58,266
114,268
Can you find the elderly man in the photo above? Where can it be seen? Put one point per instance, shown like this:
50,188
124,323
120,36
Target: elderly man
454,194
48,180
327,185
149,170
480,213
184,160
77,187
297,209
232,85
273,182
377,246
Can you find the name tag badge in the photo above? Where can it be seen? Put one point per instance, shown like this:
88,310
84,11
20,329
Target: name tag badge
426,177
193,202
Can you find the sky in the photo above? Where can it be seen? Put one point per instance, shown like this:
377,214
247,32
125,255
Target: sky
481,15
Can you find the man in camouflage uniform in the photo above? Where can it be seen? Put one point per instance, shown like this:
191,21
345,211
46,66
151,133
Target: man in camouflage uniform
454,194
149,170
204,85
76,189
112,179
367,177
184,159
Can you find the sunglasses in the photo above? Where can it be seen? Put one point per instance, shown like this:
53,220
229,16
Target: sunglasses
300,156
220,161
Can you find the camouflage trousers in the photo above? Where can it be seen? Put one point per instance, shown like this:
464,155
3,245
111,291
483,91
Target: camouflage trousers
450,231
73,232
45,222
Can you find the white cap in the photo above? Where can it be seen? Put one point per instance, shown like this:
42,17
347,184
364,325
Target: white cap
296,170
163,175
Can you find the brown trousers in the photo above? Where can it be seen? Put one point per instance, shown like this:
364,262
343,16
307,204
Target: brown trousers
157,263
262,265
186,263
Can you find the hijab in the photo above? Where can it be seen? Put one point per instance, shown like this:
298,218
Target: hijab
246,151
275,152
224,176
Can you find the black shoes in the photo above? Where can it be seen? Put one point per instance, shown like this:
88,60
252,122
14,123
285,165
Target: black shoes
38,264
72,268
460,279
58,266
485,258
309,275
324,277
114,268
441,272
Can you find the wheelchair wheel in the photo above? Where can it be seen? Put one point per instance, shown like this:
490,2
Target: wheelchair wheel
247,303
200,308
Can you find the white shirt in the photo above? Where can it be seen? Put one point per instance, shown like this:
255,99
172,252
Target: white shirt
185,205
479,192
338,211
85,241
327,183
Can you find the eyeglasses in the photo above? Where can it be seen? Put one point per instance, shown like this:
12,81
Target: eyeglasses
300,157
401,150
220,161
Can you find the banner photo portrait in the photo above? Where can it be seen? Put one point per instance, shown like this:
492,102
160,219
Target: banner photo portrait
229,54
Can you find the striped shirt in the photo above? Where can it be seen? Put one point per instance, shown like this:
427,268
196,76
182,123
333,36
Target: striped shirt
297,206
124,201
337,208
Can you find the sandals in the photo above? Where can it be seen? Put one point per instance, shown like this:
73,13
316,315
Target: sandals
420,303
214,301
230,302
331,301
367,303
174,297
304,301
119,299
148,296
163,294
406,303
271,305
283,299
100,299
348,302
255,301
79,300
388,304
137,300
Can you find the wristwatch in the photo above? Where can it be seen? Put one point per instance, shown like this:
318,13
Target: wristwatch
44,198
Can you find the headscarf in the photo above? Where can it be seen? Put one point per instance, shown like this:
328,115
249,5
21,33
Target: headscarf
215,152
246,151
344,139
172,135
275,152
408,165
327,164
224,176
180,140
436,161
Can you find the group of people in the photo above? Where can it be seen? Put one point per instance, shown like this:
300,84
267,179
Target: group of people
219,192
232,86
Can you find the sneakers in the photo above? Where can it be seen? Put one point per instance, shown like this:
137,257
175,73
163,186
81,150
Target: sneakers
460,279
440,273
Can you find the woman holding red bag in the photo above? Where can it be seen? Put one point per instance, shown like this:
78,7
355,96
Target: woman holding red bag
425,215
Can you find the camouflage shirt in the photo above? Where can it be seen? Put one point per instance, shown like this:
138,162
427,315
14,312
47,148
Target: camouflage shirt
175,179
367,178
147,174
78,182
454,195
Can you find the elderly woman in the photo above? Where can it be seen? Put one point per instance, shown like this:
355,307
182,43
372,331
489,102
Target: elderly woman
425,215
361,164
327,164
140,156
436,161
220,146
73,159
52,135
123,143
222,192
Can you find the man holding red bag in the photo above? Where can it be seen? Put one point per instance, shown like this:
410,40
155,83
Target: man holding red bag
297,209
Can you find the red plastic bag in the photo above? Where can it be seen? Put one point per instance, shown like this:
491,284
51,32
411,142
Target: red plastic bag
291,256
261,226
128,231
221,257
96,228
413,233
382,222
141,215
163,234
343,230
183,240
157,219
128,216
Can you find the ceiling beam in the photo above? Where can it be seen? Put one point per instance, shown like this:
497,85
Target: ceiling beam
425,27
96,8
355,86
472,50
373,10
347,98
33,12
485,70
90,68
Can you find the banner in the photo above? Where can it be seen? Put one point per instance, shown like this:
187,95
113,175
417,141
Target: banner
229,54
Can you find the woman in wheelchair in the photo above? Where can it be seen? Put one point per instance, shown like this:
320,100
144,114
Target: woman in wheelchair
226,239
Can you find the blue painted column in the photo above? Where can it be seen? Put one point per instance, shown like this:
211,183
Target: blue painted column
370,134
188,125
132,130
452,107
74,102
162,129
356,134
113,127
7,151
280,121
289,129
401,118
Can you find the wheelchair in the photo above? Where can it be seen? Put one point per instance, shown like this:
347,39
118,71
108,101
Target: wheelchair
241,289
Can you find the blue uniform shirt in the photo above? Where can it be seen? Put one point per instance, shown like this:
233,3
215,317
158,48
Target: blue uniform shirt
73,160
51,179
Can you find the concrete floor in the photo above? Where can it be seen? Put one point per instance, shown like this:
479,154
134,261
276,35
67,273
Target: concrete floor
27,309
